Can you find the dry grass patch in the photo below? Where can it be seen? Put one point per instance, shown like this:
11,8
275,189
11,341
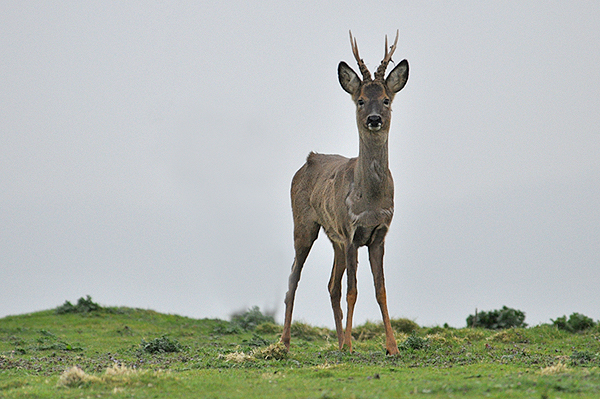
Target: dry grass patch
509,336
559,368
237,357
75,377
275,351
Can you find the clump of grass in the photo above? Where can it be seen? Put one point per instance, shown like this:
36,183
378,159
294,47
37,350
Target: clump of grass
76,377
470,334
414,342
237,357
581,358
497,319
162,344
575,323
227,328
405,326
559,368
510,336
436,338
371,330
251,318
117,374
84,305
309,333
276,351
118,371
268,328
256,341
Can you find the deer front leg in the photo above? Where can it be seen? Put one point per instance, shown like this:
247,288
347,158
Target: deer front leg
352,293
335,289
376,260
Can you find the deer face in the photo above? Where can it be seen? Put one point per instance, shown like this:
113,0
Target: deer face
373,107
373,98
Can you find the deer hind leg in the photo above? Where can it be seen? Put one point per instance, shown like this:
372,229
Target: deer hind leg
303,241
335,289
352,291
376,260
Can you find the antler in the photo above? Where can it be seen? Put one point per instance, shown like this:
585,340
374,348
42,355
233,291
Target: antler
380,73
361,65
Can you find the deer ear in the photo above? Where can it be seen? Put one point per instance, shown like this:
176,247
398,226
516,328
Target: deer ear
398,77
348,78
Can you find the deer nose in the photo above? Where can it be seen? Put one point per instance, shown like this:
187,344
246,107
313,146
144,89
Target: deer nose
374,122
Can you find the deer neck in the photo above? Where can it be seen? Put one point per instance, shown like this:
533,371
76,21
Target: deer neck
371,198
371,175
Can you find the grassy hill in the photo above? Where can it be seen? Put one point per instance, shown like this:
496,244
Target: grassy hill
85,350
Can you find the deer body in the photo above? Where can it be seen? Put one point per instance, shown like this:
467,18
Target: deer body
351,199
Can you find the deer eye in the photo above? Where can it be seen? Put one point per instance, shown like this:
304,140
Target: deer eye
386,102
360,102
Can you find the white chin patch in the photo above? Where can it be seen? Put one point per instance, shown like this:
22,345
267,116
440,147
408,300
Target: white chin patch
375,128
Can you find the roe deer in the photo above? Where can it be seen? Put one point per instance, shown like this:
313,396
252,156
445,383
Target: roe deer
351,199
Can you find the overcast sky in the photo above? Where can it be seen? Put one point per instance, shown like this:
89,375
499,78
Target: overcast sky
147,149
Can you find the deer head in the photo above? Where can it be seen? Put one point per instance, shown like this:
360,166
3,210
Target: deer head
373,97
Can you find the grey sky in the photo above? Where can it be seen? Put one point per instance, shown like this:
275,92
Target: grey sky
146,152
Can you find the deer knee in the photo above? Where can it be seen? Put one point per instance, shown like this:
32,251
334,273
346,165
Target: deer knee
381,296
351,296
335,290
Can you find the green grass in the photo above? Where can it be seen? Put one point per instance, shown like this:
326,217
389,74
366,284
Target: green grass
122,352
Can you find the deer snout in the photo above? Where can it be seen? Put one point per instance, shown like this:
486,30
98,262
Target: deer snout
374,122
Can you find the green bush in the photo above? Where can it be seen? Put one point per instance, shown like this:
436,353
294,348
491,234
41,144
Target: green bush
369,329
84,305
414,342
580,358
576,322
307,332
163,344
497,319
268,328
251,318
405,326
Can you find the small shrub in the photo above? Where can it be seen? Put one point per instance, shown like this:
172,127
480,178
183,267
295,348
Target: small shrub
307,332
579,358
163,344
435,330
497,319
256,341
576,323
510,336
405,326
251,318
370,330
227,328
84,305
414,342
268,328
